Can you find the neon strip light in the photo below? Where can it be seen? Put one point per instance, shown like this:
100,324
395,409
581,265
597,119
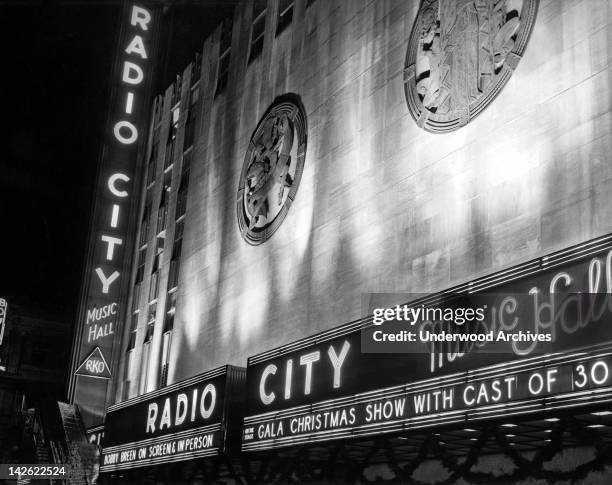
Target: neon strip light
3,310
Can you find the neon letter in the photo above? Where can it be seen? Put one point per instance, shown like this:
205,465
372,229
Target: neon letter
140,17
181,409
128,68
137,46
206,412
115,215
111,184
165,417
133,132
151,418
111,245
265,397
308,360
338,360
106,282
288,379
129,103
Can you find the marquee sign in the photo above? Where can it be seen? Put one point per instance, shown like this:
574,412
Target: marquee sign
99,316
194,418
326,387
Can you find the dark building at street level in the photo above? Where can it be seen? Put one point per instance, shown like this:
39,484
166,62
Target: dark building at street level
34,355
318,151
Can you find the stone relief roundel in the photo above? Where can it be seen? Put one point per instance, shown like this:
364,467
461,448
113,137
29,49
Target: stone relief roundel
272,169
460,55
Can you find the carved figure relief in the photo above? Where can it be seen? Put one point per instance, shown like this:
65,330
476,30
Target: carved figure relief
272,169
460,55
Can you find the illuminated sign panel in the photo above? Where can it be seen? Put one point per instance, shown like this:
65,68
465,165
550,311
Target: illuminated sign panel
325,387
194,418
3,310
99,317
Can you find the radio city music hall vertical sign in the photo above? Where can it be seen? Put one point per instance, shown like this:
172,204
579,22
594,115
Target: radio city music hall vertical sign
100,311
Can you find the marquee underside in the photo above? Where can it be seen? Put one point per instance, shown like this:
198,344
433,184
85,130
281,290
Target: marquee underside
525,448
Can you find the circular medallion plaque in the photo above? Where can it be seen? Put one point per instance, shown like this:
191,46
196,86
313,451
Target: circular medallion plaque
272,169
460,55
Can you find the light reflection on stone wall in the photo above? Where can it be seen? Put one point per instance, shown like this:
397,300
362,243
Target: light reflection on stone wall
383,205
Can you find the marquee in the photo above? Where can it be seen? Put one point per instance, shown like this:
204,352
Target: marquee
194,418
338,385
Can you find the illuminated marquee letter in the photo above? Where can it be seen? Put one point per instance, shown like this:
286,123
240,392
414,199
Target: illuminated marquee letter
288,379
338,360
204,411
130,68
111,245
181,409
140,17
165,417
115,216
265,397
194,398
106,282
151,418
112,180
308,360
128,126
136,46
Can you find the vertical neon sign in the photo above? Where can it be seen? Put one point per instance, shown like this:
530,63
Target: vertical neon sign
105,279
3,309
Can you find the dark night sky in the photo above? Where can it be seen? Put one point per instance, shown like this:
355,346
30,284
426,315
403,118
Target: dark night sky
56,58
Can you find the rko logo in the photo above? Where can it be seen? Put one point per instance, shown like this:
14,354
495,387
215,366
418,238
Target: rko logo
461,54
272,169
